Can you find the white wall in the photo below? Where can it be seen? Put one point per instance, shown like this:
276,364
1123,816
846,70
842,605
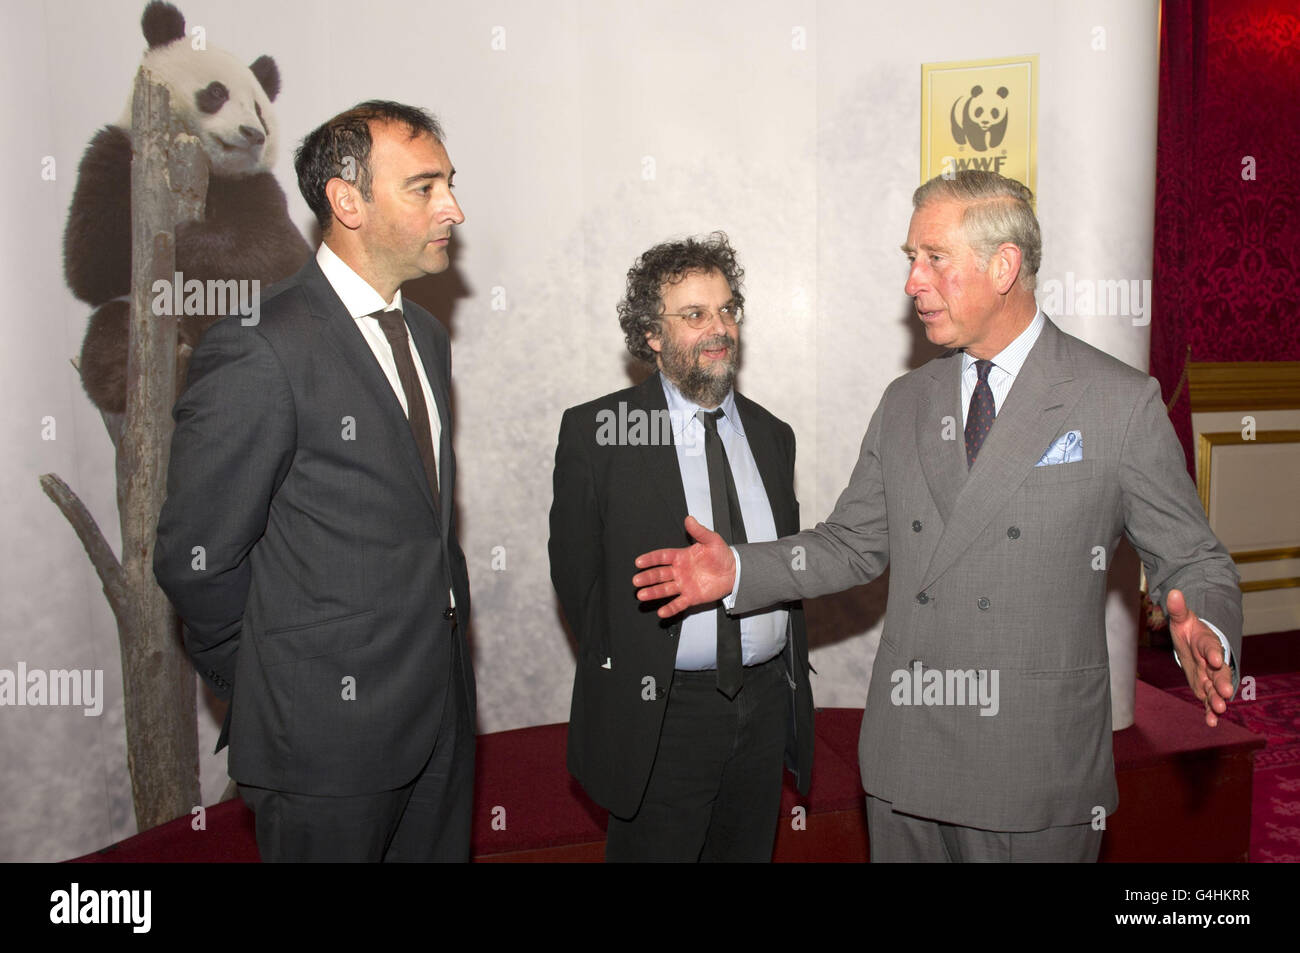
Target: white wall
807,158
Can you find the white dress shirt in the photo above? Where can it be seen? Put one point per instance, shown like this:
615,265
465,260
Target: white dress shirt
361,302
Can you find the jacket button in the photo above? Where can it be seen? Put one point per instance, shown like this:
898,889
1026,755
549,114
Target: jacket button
916,526
1013,532
922,598
449,613
983,602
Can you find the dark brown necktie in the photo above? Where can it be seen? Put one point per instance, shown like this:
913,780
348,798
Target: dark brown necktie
417,412
730,525
979,416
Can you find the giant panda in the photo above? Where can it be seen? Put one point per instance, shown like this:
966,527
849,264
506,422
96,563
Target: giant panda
245,233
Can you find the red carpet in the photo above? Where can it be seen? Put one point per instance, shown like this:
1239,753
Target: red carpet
1275,812
1174,774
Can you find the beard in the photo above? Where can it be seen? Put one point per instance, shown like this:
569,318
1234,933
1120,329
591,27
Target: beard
706,386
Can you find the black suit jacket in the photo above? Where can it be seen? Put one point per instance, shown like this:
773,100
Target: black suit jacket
300,545
612,503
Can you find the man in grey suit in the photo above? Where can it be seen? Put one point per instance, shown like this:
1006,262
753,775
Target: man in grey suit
996,482
309,539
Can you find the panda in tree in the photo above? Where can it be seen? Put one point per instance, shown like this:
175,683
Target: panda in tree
245,233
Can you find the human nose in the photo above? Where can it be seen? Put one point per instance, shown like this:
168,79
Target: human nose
451,211
916,279
716,325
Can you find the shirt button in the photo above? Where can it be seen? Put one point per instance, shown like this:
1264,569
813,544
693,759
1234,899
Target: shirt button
984,603
1013,532
922,598
916,526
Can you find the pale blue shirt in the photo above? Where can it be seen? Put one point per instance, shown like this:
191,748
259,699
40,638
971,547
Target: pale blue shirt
1006,365
762,634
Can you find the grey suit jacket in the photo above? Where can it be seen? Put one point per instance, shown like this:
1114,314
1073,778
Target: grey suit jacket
318,596
999,574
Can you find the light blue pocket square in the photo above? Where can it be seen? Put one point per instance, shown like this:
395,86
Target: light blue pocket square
1068,448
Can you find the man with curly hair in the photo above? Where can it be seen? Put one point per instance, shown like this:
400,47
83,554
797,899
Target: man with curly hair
679,727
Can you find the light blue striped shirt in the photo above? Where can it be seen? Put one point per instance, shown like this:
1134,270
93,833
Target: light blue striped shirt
1006,365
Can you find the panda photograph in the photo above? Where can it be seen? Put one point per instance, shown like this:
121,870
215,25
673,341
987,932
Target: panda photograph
983,548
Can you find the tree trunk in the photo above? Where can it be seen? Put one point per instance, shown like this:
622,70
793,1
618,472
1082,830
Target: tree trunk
169,178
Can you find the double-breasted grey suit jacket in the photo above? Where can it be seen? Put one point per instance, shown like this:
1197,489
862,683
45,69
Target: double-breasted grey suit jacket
319,594
1002,570
613,502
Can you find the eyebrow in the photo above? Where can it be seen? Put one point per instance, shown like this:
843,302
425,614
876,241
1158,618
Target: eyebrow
731,300
942,249
431,174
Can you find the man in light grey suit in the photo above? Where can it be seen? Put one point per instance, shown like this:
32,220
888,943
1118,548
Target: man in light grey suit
996,482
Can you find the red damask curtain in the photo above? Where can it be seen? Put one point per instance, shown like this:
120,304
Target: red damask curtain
1227,233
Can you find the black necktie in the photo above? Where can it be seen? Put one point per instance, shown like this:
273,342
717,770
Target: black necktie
979,417
730,525
417,412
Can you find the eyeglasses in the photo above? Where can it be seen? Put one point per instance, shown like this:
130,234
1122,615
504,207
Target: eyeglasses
696,318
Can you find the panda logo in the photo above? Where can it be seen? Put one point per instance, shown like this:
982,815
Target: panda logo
980,119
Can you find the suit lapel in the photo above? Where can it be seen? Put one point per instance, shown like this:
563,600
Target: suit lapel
1034,410
657,461
342,333
762,444
942,455
432,358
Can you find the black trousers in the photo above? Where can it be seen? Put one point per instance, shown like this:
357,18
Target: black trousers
425,820
714,792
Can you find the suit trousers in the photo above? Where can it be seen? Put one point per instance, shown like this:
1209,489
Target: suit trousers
714,792
425,820
903,838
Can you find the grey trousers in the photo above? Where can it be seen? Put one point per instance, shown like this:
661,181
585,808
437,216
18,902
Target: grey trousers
903,838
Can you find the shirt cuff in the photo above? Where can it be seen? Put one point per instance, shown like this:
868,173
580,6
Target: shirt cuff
729,601
1227,650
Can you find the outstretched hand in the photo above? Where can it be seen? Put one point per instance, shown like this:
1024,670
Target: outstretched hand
1201,654
698,574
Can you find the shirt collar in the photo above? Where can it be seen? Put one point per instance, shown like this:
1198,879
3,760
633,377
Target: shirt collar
358,297
681,411
1012,357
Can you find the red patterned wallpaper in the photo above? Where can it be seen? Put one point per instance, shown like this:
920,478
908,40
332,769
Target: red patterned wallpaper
1227,229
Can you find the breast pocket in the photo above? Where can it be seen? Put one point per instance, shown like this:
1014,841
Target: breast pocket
1059,473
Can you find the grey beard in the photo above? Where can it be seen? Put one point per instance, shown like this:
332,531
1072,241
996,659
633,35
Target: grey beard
696,383
705,389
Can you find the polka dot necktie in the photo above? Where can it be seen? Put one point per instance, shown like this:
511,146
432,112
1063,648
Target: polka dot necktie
979,417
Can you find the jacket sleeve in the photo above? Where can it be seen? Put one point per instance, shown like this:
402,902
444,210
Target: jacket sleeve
575,545
1165,522
849,548
232,446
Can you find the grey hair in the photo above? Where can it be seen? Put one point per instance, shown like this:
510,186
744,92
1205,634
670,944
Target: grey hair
997,210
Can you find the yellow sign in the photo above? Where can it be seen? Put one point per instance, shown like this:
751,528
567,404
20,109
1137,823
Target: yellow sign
980,114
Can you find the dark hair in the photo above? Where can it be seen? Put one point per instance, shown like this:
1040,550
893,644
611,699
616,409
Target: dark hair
668,263
340,149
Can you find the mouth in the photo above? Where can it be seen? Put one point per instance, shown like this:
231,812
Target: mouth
716,350
928,316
